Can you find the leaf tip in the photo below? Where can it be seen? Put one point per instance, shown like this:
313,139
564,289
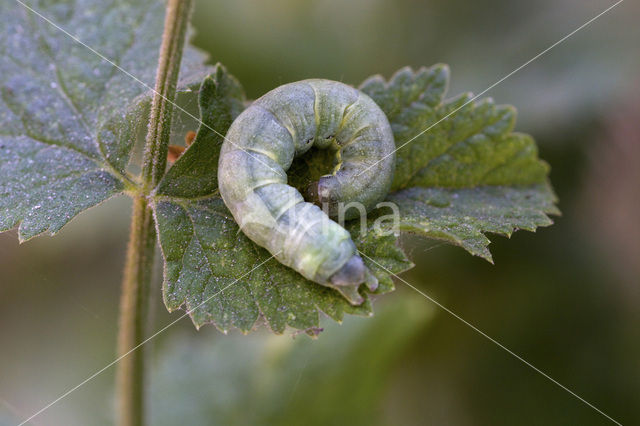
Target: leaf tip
442,71
486,255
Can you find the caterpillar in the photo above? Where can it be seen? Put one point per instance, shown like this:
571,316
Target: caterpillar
259,148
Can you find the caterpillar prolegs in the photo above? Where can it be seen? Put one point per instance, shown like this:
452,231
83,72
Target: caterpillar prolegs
259,148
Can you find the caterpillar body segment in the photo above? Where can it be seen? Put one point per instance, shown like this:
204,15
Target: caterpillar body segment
259,148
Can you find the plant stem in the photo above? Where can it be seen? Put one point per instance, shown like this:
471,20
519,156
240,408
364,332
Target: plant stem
133,314
156,147
142,237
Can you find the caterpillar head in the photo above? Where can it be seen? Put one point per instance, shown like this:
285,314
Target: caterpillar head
347,279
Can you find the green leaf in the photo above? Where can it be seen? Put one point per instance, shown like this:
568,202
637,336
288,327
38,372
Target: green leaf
222,277
455,143
410,101
461,171
67,123
288,381
462,216
467,176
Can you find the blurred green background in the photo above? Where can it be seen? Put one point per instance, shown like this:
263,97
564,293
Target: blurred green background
567,299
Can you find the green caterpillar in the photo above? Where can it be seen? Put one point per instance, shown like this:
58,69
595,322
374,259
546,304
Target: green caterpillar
260,147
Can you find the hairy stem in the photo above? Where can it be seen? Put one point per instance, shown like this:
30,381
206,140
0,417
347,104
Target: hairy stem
142,238
133,314
157,142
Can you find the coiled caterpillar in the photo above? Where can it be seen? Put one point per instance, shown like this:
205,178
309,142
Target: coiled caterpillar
259,148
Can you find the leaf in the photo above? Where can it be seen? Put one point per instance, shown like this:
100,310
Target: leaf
66,127
467,176
462,216
460,171
289,381
410,101
455,143
209,263
222,277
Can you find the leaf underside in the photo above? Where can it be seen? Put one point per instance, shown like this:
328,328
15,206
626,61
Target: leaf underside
69,121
